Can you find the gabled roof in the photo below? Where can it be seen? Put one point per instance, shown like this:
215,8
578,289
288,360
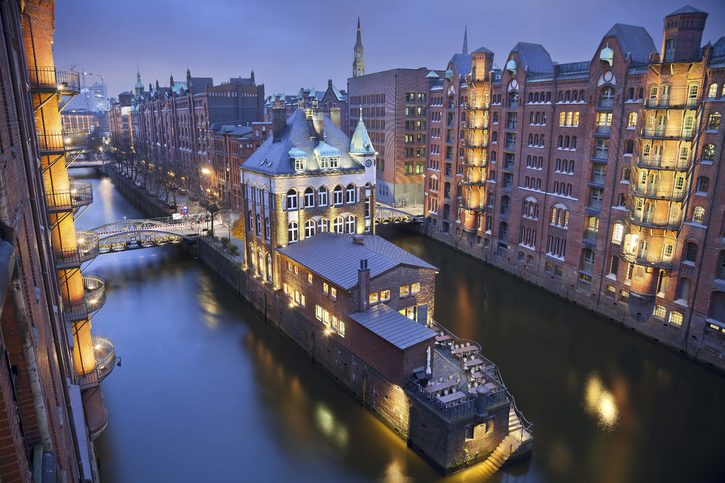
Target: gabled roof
462,63
273,158
686,9
534,58
392,326
342,270
484,50
634,41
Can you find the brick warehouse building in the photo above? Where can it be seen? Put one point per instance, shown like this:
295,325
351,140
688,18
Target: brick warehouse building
393,104
598,180
51,406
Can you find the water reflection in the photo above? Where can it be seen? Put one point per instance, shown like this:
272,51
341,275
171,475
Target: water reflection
600,403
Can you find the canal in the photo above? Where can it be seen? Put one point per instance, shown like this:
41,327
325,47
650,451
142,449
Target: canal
207,392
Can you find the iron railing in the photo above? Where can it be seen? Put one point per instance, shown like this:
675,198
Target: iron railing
52,79
78,195
86,249
61,141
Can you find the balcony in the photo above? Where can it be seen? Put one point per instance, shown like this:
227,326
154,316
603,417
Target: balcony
587,267
597,180
667,103
482,144
653,162
602,131
466,206
605,104
594,207
51,79
79,195
510,146
61,142
93,299
600,156
86,249
662,222
478,107
642,258
671,134
105,355
653,192
590,238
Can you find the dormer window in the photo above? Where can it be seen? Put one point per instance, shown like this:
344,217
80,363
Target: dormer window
329,162
299,164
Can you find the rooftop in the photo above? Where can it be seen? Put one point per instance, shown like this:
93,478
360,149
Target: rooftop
392,326
342,270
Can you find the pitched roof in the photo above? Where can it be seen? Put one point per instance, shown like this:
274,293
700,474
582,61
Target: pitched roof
273,158
314,253
484,50
534,58
392,326
686,9
462,63
361,142
634,41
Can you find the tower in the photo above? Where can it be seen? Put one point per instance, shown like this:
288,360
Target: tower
465,41
683,34
358,64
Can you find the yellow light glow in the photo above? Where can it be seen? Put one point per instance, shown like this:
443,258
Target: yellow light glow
328,331
205,171
600,403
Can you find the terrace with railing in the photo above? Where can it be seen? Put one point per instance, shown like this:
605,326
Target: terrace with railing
79,194
52,79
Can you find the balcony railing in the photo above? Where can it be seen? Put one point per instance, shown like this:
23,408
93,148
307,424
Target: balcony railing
651,260
667,103
658,193
653,162
93,299
600,155
80,194
105,354
50,79
86,249
59,142
664,222
597,179
664,133
605,103
603,131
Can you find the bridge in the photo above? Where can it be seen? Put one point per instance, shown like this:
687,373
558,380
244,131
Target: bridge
385,214
78,162
146,233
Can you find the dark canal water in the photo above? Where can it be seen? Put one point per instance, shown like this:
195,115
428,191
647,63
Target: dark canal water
208,393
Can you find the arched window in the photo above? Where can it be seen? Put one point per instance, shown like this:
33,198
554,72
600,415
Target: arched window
350,224
322,195
258,224
337,195
292,232
606,97
269,267
560,216
632,120
250,220
310,228
691,251
717,306
350,194
712,91
267,231
323,226
703,184
713,121
708,152
309,198
338,224
698,214
513,99
291,200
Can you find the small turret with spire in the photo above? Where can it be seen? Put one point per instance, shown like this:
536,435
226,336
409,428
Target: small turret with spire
139,85
358,64
465,40
188,80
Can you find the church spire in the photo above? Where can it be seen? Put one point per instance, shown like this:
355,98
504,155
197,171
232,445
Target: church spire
465,40
358,64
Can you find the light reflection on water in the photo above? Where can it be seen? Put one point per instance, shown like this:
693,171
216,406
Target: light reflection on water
600,403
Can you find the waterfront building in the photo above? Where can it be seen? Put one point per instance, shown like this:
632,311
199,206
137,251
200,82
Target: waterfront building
82,121
306,178
331,102
51,406
600,179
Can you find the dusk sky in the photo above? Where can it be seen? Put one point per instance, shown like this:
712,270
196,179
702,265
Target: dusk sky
291,44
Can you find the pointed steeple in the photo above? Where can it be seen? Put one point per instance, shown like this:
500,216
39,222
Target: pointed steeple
358,64
139,85
465,40
360,142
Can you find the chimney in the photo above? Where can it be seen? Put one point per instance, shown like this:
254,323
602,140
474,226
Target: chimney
335,116
358,240
279,117
363,284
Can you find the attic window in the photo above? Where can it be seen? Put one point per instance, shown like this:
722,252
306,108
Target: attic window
299,164
329,162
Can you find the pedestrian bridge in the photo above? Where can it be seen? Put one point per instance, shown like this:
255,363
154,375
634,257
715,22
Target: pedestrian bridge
385,214
129,234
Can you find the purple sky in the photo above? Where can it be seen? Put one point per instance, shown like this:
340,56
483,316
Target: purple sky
290,44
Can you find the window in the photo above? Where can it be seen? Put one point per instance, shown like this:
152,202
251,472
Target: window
309,278
292,232
713,121
299,164
384,295
291,200
632,120
337,195
338,224
617,233
373,298
350,194
341,328
310,228
309,198
333,293
698,214
323,226
415,288
703,184
322,196
690,251
708,152
660,312
325,288
676,318
404,290
250,220
267,231
350,224
258,224
712,91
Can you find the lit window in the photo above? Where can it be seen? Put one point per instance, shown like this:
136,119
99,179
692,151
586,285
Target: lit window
318,312
341,328
415,288
333,293
325,288
384,295
617,233
632,119
660,312
676,318
404,290
309,278
373,298
698,214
